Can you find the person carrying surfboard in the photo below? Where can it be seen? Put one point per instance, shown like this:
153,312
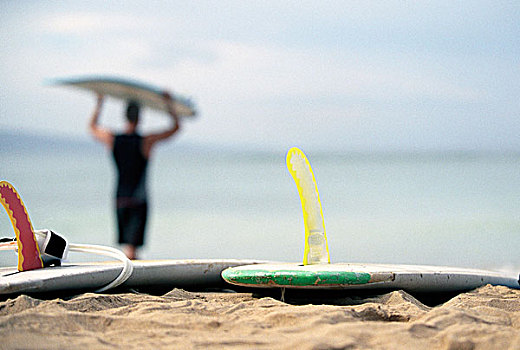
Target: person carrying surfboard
131,153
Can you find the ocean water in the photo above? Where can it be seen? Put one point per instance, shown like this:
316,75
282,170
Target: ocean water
460,209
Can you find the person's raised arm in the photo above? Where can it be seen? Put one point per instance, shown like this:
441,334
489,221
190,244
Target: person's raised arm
151,140
100,134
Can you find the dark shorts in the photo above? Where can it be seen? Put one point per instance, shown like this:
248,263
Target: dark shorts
131,223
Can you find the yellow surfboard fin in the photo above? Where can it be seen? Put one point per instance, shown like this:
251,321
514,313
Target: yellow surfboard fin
316,247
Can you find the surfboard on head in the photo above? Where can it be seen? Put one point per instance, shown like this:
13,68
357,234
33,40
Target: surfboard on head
129,90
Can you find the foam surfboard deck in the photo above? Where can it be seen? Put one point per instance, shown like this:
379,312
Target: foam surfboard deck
199,273
345,276
128,89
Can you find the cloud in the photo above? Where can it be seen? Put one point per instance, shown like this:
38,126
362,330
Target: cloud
88,23
260,75
253,72
149,47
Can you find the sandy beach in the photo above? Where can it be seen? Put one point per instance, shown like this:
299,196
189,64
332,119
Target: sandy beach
486,318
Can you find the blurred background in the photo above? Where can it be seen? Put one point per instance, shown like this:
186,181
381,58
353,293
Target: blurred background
408,112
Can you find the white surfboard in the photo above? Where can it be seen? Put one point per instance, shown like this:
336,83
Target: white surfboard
346,276
196,273
317,273
128,89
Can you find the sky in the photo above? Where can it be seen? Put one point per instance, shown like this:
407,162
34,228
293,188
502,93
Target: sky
321,75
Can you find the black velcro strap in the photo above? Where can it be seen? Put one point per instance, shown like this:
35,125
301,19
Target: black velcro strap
56,246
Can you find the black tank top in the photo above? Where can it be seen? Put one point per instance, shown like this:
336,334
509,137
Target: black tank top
131,169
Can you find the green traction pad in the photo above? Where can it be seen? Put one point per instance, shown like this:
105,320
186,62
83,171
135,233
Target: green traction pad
295,277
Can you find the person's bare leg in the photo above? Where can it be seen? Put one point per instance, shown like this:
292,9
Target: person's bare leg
130,251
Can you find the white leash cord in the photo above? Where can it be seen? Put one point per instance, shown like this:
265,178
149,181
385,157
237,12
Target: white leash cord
125,273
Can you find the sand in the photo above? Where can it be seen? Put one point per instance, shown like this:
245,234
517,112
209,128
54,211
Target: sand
486,318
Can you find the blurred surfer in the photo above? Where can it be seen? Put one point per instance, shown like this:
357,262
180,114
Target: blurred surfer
131,153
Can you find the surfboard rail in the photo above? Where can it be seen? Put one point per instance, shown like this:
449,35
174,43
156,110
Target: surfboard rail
349,276
171,273
128,89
